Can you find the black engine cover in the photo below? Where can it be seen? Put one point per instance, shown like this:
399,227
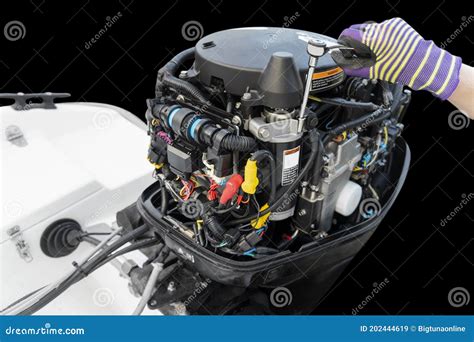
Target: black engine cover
236,58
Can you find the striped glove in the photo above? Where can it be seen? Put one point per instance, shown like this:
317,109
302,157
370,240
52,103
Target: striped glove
403,56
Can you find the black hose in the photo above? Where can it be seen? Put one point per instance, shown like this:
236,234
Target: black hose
314,138
164,199
366,121
213,224
166,76
261,155
318,164
338,101
370,119
176,62
232,142
184,87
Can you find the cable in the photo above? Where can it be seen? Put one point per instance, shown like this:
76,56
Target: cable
81,271
261,155
148,291
32,299
139,245
338,101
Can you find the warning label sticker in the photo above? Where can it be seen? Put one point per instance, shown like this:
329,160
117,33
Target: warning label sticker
291,160
326,79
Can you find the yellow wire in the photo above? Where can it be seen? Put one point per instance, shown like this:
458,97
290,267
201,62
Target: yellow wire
385,135
314,98
199,223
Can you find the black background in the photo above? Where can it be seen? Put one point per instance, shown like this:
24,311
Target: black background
421,259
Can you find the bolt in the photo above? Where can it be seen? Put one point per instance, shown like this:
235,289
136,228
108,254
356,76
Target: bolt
236,120
171,286
153,302
302,212
263,133
246,96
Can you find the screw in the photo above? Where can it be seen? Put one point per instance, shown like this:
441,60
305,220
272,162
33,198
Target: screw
153,302
263,133
302,212
246,96
171,287
236,120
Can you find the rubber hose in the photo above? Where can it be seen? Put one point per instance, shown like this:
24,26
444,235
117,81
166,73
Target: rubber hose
164,200
261,155
184,87
215,227
238,143
337,101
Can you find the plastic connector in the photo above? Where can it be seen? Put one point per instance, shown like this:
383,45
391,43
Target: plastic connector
249,241
231,236
231,188
251,181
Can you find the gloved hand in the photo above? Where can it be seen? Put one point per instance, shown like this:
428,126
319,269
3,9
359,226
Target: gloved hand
401,55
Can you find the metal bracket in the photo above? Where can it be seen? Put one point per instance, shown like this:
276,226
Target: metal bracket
21,245
28,101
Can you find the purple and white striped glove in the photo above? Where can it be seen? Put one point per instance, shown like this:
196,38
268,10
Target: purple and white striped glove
403,56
